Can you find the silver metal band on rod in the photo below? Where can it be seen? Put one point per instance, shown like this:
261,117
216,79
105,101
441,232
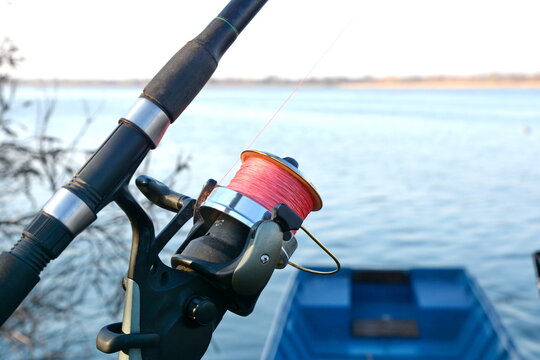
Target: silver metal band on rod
70,210
149,118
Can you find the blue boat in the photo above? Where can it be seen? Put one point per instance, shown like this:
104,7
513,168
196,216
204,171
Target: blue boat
420,314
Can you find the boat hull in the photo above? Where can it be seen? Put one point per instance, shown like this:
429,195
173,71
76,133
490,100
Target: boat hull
420,314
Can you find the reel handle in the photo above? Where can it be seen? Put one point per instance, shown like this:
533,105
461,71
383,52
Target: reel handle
160,194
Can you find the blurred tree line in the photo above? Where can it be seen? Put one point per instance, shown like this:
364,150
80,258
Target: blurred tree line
84,282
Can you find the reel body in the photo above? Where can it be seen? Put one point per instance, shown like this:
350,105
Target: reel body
225,262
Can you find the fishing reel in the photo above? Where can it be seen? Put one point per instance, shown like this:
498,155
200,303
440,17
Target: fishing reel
224,263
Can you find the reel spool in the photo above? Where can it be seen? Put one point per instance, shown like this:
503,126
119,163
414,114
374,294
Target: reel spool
263,182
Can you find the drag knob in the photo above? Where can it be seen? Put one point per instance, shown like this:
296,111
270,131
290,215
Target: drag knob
291,161
202,310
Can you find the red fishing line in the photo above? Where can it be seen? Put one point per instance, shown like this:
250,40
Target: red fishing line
270,181
269,184
298,85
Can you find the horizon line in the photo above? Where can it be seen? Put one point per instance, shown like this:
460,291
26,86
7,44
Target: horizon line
493,80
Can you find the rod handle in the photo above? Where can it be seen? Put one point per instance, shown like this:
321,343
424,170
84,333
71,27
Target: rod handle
17,279
42,240
180,80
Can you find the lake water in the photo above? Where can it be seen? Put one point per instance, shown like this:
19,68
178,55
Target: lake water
408,178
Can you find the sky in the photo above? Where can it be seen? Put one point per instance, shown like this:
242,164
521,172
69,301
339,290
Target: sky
120,39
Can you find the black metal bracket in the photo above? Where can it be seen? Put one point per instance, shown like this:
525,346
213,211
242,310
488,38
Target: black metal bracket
111,339
158,296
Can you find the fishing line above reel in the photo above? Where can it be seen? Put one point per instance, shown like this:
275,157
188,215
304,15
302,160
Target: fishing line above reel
241,233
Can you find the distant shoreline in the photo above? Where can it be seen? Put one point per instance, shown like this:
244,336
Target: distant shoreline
434,82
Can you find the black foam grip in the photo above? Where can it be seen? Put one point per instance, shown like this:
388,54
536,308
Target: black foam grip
43,240
17,279
181,79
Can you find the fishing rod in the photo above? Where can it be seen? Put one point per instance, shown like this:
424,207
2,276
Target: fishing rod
76,205
241,232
